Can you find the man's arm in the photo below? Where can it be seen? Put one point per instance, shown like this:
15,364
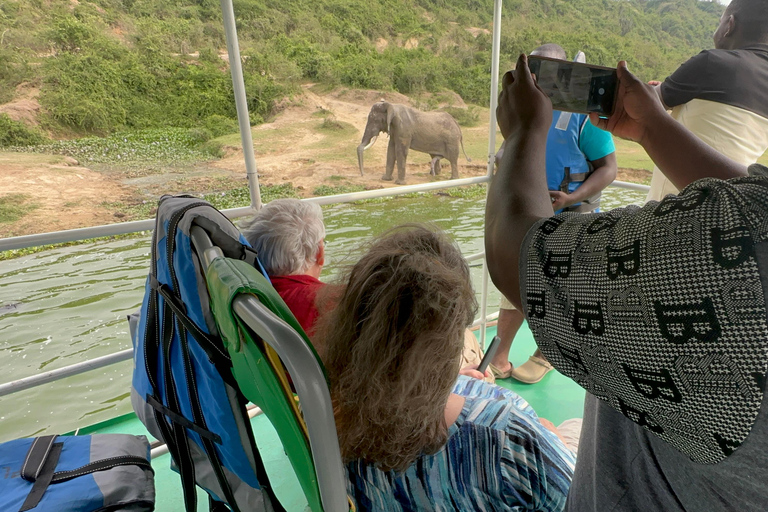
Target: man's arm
518,195
687,82
604,174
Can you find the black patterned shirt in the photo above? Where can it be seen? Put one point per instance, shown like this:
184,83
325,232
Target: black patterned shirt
660,314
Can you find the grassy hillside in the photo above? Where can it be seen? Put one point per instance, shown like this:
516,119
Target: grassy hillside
111,65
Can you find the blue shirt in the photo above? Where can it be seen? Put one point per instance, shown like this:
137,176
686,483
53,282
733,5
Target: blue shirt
595,143
572,143
498,457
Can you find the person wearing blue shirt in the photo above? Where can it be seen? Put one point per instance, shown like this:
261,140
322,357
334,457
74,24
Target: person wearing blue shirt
581,162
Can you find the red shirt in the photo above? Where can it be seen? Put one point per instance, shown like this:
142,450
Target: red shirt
299,292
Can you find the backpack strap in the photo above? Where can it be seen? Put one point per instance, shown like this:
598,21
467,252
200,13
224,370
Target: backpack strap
39,468
212,345
36,456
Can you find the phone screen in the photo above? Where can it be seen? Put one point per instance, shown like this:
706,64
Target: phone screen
576,87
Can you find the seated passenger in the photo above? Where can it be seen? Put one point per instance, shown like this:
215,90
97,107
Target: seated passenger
289,236
412,437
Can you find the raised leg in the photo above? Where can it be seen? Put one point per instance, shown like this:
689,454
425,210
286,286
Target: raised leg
434,166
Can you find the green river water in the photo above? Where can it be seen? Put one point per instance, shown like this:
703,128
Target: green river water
67,305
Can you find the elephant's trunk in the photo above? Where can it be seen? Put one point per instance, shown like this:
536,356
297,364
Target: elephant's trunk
362,147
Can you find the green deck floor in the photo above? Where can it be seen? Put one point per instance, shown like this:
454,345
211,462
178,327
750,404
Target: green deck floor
555,398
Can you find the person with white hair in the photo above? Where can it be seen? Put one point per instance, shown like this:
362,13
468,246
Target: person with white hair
289,237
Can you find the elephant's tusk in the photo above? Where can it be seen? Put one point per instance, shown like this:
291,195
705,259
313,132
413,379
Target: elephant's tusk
373,140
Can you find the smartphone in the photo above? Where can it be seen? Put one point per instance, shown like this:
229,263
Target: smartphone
576,87
489,354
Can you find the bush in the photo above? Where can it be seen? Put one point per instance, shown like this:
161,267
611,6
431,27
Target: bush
468,117
219,125
14,69
15,133
331,124
118,65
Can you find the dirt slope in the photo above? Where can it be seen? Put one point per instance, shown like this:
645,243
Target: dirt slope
293,148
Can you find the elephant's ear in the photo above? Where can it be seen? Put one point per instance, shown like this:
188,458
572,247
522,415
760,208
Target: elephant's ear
390,116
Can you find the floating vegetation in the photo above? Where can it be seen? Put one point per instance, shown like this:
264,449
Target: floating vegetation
167,145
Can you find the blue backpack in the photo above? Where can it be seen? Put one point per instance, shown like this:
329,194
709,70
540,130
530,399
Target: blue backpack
76,474
183,388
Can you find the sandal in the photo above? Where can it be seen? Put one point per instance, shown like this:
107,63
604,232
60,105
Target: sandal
499,374
532,371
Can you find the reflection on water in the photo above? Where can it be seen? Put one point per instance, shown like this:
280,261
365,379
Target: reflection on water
69,305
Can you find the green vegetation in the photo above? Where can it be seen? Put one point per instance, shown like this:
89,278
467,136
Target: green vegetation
106,66
14,206
630,155
155,146
14,133
17,253
467,117
326,190
469,192
240,196
331,124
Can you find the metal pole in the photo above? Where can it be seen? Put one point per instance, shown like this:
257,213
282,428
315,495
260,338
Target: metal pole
236,67
491,148
68,371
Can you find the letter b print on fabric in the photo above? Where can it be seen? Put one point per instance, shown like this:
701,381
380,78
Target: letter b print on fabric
671,295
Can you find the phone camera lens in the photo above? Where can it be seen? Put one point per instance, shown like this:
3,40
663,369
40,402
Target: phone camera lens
601,91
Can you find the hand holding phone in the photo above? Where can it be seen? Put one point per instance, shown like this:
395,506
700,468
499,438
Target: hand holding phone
638,108
576,87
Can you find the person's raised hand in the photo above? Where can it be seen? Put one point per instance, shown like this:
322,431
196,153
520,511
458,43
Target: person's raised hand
523,106
637,108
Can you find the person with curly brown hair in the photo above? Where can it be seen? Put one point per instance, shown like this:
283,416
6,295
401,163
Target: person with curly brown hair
412,436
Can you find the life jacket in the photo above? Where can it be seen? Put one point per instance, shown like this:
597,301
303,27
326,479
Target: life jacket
183,389
567,167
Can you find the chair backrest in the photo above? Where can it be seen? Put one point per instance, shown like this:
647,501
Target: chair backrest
183,389
264,341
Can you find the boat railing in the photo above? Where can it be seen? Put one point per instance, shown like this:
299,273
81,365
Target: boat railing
243,117
25,383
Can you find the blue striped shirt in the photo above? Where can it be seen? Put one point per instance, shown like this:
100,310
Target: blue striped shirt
498,457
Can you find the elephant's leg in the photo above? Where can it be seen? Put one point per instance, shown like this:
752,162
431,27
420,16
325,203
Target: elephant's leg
402,154
391,154
455,168
434,165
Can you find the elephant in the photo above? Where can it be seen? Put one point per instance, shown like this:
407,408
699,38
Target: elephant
435,133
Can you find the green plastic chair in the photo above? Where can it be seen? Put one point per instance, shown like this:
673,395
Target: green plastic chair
266,342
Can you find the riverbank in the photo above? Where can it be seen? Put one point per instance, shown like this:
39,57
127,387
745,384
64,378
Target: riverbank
307,149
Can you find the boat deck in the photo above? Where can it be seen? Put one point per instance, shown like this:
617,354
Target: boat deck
556,398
